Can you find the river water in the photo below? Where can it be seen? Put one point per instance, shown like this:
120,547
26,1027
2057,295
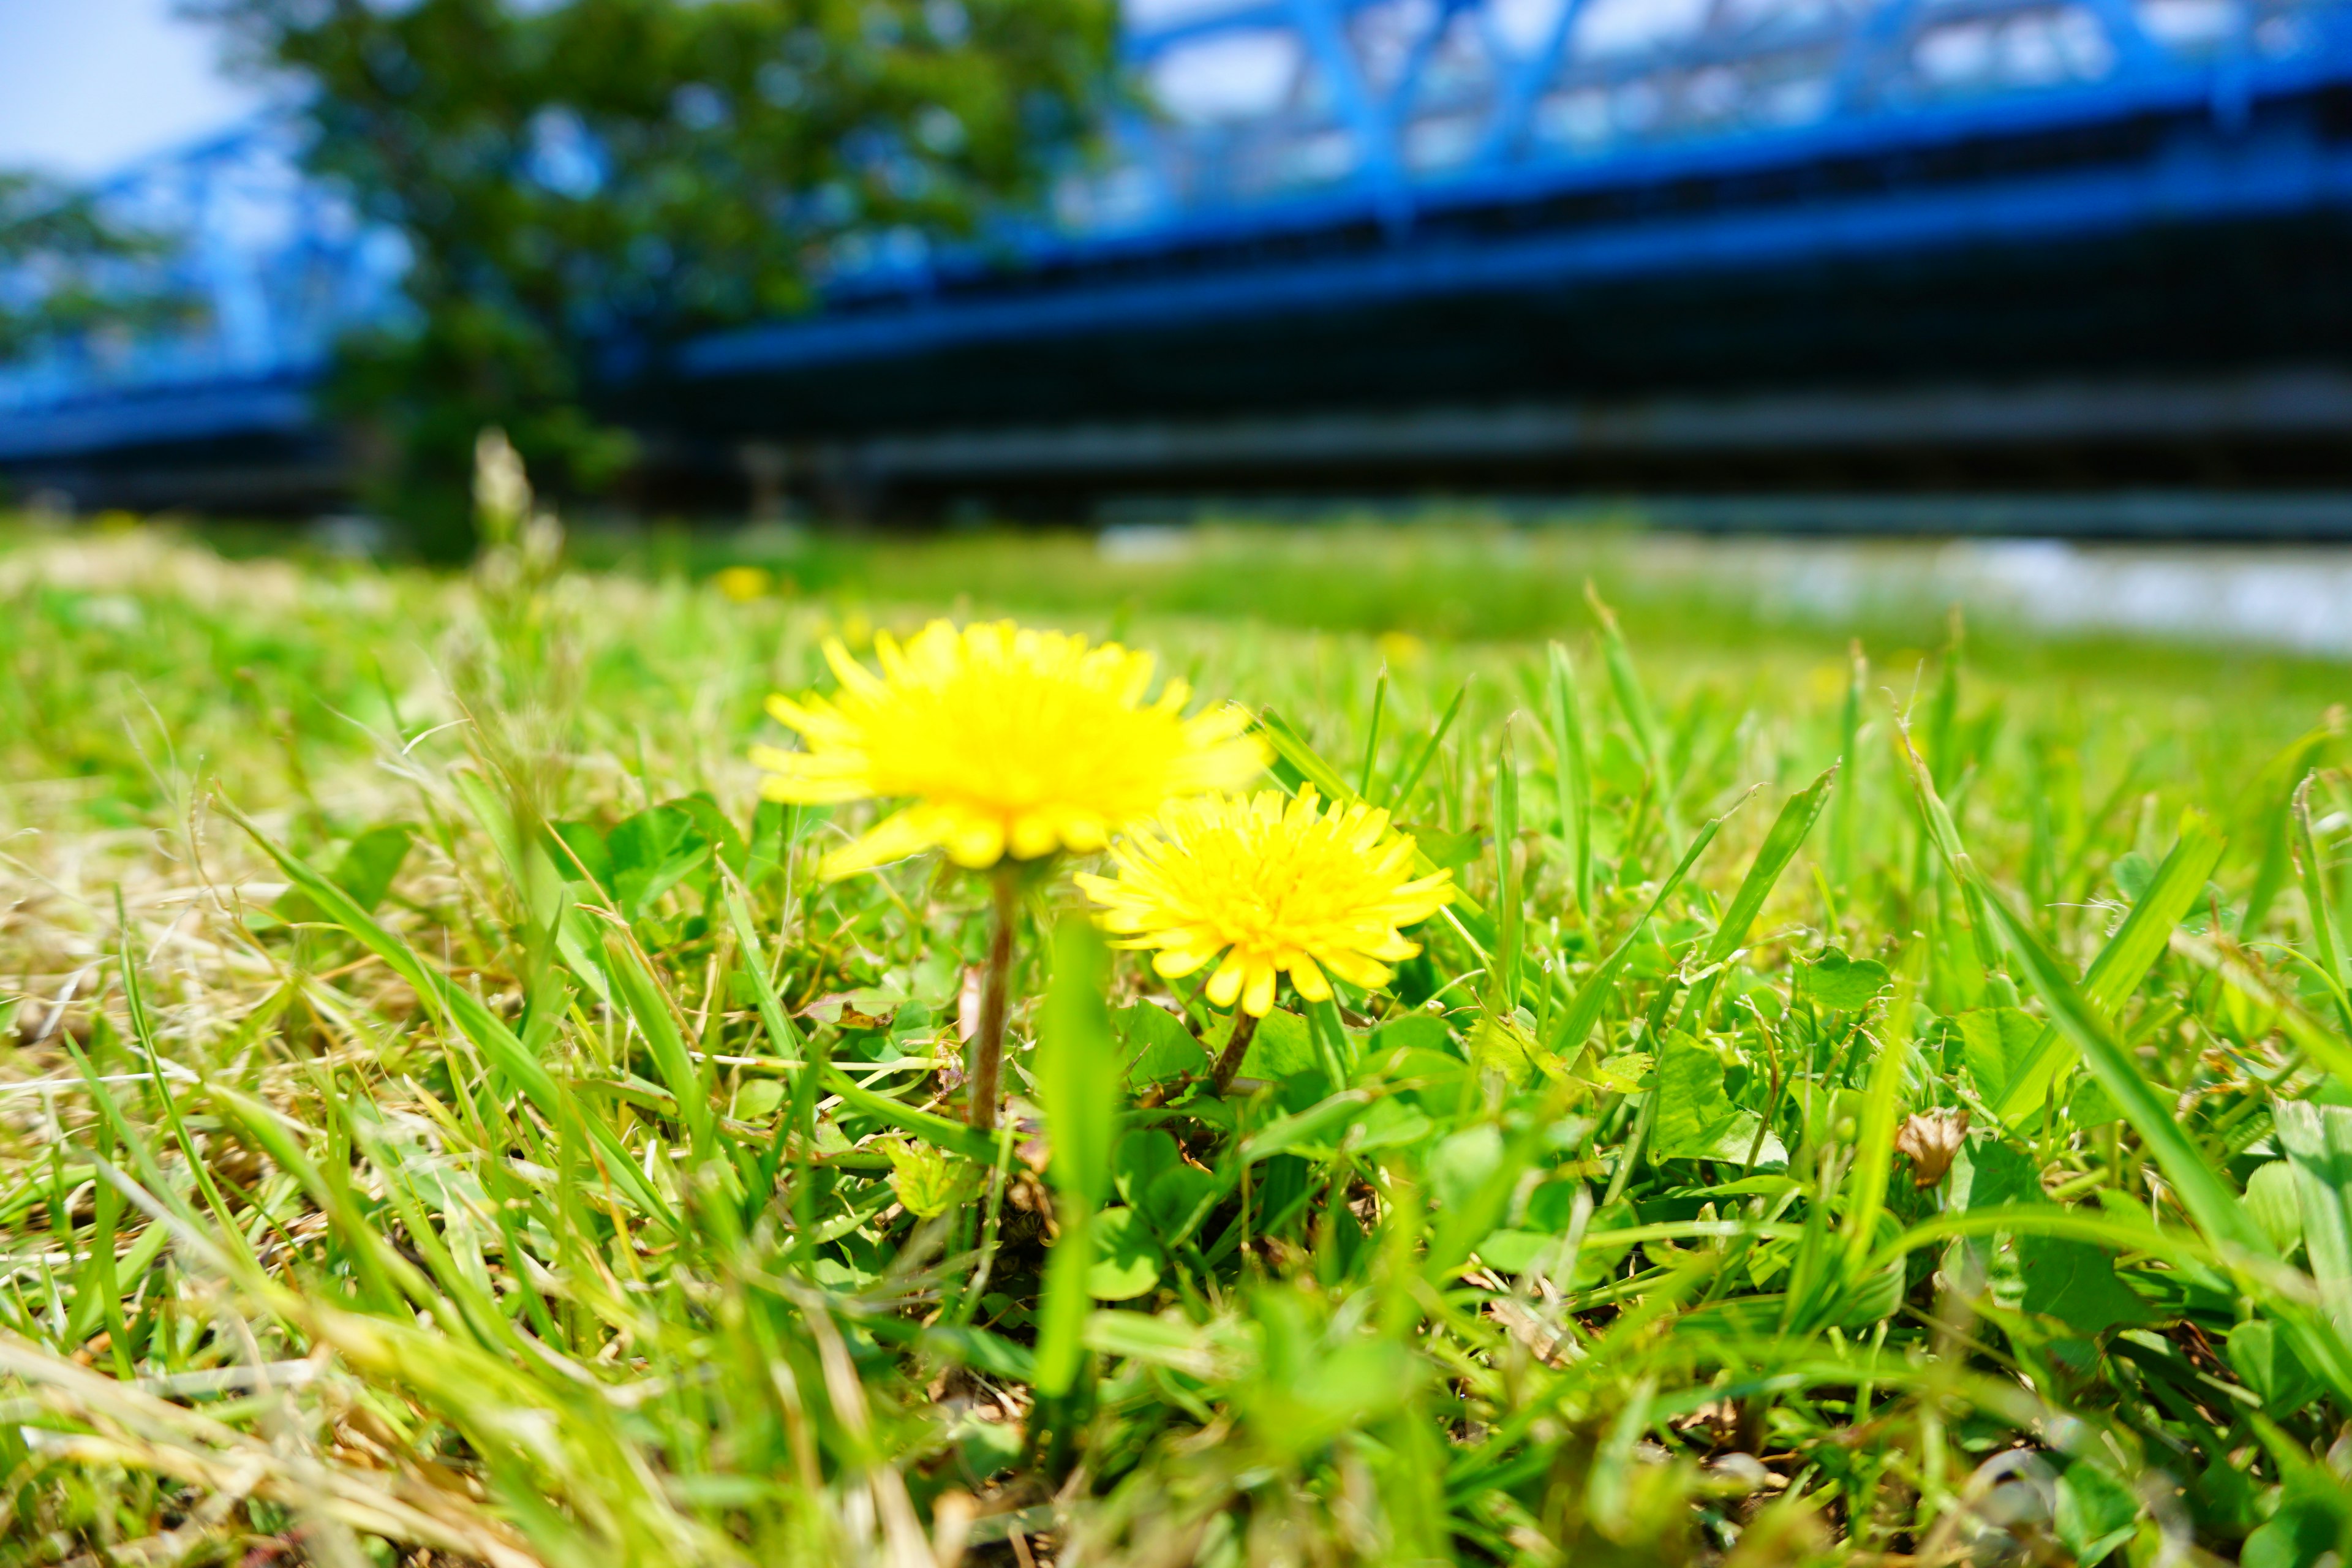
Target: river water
2294,598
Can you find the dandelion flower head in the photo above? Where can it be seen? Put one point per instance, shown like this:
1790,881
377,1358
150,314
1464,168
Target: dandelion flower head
1008,741
1276,887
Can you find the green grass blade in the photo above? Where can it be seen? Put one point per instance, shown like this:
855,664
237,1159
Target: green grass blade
1640,719
1844,808
1077,1086
1504,967
642,994
1593,997
1402,793
1874,1161
1293,748
1781,844
2203,1192
452,1004
2318,1141
1575,777
2327,921
2127,957
1944,834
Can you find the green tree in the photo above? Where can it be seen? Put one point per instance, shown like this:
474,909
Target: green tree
580,181
56,245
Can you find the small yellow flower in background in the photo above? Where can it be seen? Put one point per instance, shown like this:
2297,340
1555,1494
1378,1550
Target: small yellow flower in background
1010,742
743,583
1274,885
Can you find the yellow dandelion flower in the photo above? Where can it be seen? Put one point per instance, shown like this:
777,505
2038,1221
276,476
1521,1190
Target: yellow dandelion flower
743,583
1009,741
1276,885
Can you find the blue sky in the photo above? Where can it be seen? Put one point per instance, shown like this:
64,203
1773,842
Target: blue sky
86,85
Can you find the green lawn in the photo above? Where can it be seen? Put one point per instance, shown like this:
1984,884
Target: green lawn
449,1121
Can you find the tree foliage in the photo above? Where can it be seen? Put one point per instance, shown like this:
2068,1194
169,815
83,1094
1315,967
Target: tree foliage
582,181
55,245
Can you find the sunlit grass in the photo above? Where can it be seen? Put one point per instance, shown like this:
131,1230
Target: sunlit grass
450,1121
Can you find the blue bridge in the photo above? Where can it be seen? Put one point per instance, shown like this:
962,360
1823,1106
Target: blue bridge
1382,244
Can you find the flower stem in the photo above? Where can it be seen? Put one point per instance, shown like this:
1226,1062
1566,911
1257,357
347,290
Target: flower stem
1229,1060
988,1041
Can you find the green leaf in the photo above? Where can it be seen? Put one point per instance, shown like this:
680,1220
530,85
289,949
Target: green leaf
1168,1342
1126,1261
366,871
1155,1044
2308,1528
1999,1042
774,825
1944,834
1695,1120
580,853
712,825
1414,1031
2327,921
929,1181
758,1100
2265,1362
1320,1122
1450,851
2075,1282
653,852
1473,1175
2318,1142
1840,984
1460,1164
2089,1108
1143,1155
1173,1199
1283,1047
2271,1198
2095,1513
1990,1174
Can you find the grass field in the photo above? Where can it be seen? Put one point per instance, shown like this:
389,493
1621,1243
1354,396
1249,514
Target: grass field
1879,1108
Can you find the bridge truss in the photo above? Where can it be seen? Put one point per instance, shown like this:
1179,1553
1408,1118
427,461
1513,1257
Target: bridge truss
1288,157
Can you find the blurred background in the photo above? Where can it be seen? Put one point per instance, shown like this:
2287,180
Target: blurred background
2061,280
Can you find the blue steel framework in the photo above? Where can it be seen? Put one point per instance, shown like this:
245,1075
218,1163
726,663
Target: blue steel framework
274,266
1685,131
1312,152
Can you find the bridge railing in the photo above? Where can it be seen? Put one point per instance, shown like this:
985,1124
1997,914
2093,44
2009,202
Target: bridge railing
1265,103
